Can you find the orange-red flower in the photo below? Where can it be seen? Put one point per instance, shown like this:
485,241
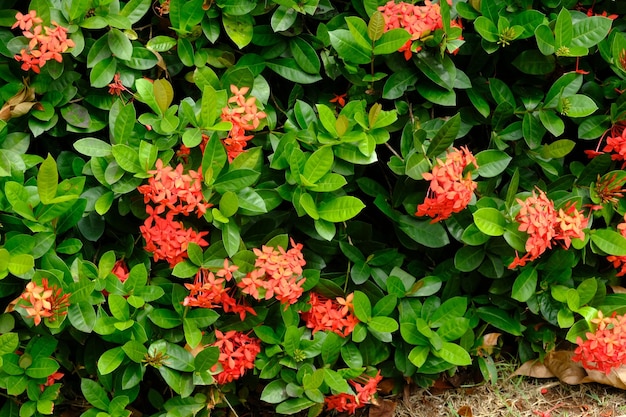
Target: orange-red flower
43,301
237,354
419,21
617,146
545,225
451,187
45,43
172,189
605,348
340,99
168,239
243,113
364,394
333,315
278,274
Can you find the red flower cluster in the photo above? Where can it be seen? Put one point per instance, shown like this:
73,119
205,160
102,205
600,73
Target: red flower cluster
350,402
615,143
334,315
619,262
209,291
41,301
237,354
451,188
419,21
242,112
278,274
45,43
175,191
168,239
604,349
545,225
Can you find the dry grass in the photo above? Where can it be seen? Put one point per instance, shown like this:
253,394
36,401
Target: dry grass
515,397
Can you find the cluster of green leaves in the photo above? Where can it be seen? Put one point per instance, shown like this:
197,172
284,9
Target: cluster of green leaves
338,164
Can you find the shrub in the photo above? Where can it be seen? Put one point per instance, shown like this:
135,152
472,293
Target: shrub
278,204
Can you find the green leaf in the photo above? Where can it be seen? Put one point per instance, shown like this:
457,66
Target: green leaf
165,318
383,324
487,29
275,392
161,43
120,44
82,316
391,41
525,285
102,73
609,241
590,31
532,130
294,405
47,180
21,264
444,137
9,342
453,307
552,122
418,355
163,94
110,360
239,28
533,62
362,306
289,69
398,83
558,149
469,258
563,29
127,158
578,105
340,209
492,162
500,319
490,221
283,18
92,147
454,354
376,26
305,55
135,351
439,69
431,235
206,358
318,165
94,394
349,49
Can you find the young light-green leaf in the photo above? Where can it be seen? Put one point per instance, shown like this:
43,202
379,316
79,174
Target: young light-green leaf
47,180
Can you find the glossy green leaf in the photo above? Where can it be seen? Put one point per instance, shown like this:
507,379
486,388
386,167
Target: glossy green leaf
239,28
492,162
391,41
454,354
110,360
349,49
305,55
500,319
525,285
289,69
490,221
339,209
445,136
609,241
47,180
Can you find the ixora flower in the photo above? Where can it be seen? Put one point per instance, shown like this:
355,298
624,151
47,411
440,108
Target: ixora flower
451,185
243,113
237,354
604,349
278,274
45,43
41,301
545,226
168,239
169,188
419,21
365,386
333,315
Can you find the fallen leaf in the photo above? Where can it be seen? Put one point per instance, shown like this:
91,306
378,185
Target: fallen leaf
534,369
384,408
617,377
618,289
560,363
465,411
386,386
490,340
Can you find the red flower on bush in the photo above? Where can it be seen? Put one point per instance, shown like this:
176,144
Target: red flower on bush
171,189
619,262
243,113
168,239
333,315
451,187
278,274
605,348
349,402
41,301
237,354
419,21
545,225
45,43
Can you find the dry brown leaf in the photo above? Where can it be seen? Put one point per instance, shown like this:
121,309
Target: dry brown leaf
617,377
534,369
386,386
384,408
618,289
465,411
563,367
490,340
